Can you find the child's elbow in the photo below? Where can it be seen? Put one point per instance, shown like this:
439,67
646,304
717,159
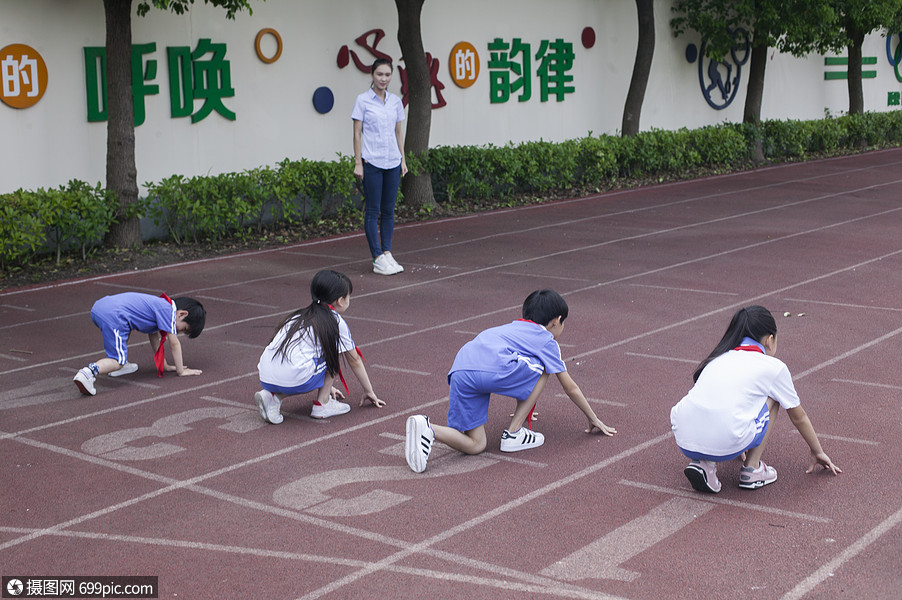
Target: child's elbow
353,358
797,415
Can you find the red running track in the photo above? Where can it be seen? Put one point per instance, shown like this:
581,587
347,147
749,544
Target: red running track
179,478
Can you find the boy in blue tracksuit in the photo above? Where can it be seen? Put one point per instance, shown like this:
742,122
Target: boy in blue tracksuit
511,360
160,317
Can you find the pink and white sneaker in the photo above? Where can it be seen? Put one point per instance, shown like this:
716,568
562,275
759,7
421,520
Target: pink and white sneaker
702,475
752,479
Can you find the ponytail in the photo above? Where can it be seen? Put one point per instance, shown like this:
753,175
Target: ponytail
754,322
317,319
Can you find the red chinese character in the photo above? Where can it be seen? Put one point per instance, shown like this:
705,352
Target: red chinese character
438,86
344,52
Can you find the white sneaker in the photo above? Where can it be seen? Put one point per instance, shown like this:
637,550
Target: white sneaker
522,439
420,438
393,262
383,266
332,408
126,369
84,381
270,406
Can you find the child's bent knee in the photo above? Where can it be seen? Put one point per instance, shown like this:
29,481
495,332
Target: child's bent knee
475,448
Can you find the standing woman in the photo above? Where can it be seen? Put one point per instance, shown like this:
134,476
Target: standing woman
379,162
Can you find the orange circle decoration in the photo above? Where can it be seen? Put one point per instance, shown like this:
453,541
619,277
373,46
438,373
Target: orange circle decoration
463,62
23,76
271,59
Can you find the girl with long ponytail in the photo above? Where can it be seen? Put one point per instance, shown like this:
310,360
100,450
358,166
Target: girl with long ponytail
304,353
739,389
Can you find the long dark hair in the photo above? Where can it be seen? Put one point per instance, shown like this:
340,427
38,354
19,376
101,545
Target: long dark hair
326,288
754,321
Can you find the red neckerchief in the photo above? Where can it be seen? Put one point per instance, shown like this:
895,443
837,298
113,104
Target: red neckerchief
533,409
159,357
749,348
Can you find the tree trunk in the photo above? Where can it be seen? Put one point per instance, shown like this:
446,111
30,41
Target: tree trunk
121,173
856,93
645,51
417,189
754,92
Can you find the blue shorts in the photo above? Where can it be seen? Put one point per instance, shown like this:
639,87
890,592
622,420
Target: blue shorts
468,397
761,424
314,383
115,336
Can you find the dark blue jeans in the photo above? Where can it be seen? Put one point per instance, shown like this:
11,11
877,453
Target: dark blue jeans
380,188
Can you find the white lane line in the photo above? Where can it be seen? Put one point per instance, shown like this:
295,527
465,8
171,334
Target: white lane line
504,583
845,304
718,500
598,401
869,383
849,353
840,438
132,288
129,405
241,302
543,276
658,357
735,305
400,370
420,547
602,558
14,307
678,289
348,317
853,550
45,320
243,344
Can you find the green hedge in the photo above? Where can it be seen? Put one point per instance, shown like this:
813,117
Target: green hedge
235,204
241,204
478,173
53,220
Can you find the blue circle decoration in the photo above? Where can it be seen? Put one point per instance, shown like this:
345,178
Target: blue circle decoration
691,53
323,100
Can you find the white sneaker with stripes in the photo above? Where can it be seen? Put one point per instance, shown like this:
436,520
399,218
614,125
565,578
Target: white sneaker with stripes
522,439
420,438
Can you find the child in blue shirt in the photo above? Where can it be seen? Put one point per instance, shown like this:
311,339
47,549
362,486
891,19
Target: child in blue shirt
511,360
158,316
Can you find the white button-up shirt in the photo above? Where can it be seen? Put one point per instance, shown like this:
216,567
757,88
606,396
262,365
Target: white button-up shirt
379,144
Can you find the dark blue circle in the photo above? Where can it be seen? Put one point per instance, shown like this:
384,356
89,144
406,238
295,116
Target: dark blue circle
691,53
323,100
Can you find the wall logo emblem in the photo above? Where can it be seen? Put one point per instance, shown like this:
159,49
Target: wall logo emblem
23,76
719,79
894,53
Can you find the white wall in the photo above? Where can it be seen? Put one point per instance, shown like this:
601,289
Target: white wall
52,142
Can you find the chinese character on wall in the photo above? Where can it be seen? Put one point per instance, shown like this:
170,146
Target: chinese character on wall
202,74
510,65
